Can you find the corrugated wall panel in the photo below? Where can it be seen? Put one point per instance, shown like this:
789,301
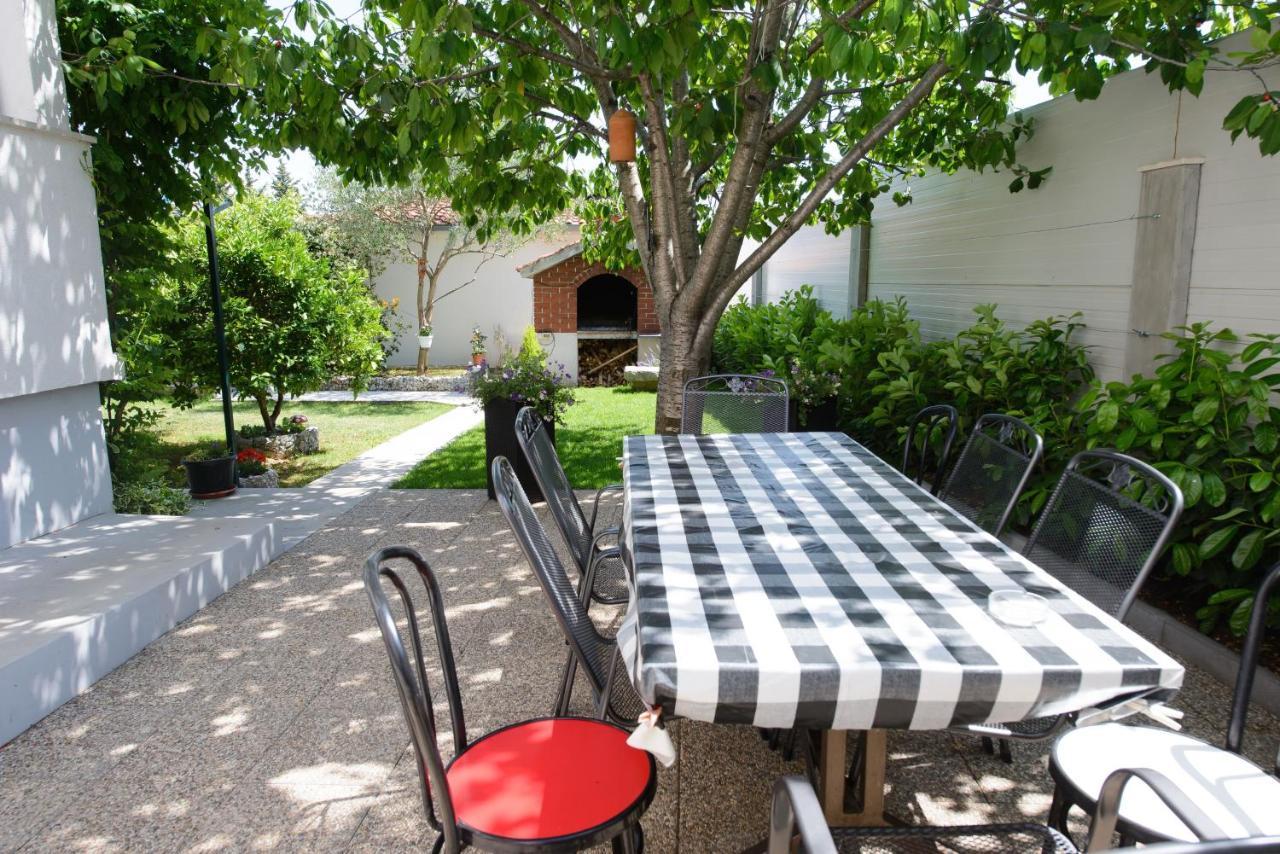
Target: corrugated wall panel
965,240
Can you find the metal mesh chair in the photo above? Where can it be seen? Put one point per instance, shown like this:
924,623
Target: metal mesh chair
922,460
1101,533
595,653
1105,526
494,794
796,810
992,470
735,403
580,533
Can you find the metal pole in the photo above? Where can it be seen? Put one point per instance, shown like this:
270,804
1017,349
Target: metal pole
219,329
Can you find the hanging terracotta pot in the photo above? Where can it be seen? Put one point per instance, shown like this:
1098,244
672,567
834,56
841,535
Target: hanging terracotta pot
622,136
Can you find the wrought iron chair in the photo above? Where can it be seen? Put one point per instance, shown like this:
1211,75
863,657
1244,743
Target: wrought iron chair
597,654
553,784
1237,795
579,532
1101,532
992,470
930,463
735,403
796,810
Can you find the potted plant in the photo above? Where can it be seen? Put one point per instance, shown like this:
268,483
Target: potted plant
524,380
424,336
478,341
813,398
253,471
211,472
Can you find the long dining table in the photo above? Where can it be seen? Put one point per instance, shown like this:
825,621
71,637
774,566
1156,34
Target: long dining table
796,580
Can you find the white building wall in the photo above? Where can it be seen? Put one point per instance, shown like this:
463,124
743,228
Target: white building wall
54,342
1069,246
500,301
811,257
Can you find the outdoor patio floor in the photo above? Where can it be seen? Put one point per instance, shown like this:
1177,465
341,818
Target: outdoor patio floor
269,721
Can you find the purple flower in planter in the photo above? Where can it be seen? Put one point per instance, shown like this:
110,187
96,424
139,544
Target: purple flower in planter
298,419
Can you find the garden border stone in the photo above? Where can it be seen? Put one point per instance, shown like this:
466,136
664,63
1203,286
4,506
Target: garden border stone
284,445
433,382
269,479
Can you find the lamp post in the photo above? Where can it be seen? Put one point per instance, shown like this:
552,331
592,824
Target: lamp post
219,327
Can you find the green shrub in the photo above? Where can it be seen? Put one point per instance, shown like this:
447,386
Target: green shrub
292,321
1207,420
150,497
751,338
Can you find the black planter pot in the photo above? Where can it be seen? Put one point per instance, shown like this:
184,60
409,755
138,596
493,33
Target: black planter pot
500,441
820,418
211,478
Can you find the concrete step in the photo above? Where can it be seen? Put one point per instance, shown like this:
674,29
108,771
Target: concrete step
76,604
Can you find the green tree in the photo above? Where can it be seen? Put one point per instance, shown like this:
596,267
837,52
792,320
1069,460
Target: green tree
413,223
754,117
292,320
281,184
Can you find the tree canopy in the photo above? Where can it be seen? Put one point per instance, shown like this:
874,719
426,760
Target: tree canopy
755,116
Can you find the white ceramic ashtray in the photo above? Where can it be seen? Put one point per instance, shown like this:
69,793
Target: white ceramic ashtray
1017,607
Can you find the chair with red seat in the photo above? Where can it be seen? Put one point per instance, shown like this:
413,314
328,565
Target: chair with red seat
549,784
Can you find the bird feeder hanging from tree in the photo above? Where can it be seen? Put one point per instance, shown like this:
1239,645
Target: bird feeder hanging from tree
622,136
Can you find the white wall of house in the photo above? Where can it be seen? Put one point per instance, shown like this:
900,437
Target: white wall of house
54,341
500,301
1070,245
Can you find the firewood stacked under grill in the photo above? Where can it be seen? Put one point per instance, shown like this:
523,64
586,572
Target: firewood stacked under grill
600,362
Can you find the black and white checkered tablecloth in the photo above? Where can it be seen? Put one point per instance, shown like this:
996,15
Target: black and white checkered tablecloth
797,579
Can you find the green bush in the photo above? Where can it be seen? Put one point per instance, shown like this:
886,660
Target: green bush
1207,420
150,497
292,321
752,338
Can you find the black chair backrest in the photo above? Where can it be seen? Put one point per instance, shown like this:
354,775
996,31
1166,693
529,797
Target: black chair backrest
594,652
735,403
1249,662
535,443
929,438
411,679
1104,527
993,468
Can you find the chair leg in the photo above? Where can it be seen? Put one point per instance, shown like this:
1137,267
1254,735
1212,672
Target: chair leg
630,841
566,685
988,746
1006,751
1058,810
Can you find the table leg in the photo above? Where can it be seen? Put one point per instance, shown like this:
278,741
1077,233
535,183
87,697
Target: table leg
844,808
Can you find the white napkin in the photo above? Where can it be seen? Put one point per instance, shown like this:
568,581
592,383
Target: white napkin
653,738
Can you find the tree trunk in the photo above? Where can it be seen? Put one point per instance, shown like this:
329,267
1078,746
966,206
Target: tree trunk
427,314
268,416
678,363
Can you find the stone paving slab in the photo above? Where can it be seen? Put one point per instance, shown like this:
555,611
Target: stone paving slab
268,721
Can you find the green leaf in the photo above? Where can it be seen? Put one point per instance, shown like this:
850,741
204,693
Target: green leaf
1265,438
1248,550
1108,415
1215,491
1144,419
1260,480
1217,541
1204,412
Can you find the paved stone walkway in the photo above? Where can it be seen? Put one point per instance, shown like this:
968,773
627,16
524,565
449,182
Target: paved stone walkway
268,721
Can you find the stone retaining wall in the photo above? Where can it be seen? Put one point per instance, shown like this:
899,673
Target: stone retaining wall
403,383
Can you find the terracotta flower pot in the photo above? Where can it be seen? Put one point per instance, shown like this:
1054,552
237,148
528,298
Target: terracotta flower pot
477,358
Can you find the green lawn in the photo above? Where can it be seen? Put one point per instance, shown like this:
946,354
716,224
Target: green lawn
589,443
346,430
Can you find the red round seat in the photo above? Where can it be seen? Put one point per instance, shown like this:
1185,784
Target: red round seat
548,778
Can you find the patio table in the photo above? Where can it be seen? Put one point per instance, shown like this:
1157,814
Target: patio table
798,580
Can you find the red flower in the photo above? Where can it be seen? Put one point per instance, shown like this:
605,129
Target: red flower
251,455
